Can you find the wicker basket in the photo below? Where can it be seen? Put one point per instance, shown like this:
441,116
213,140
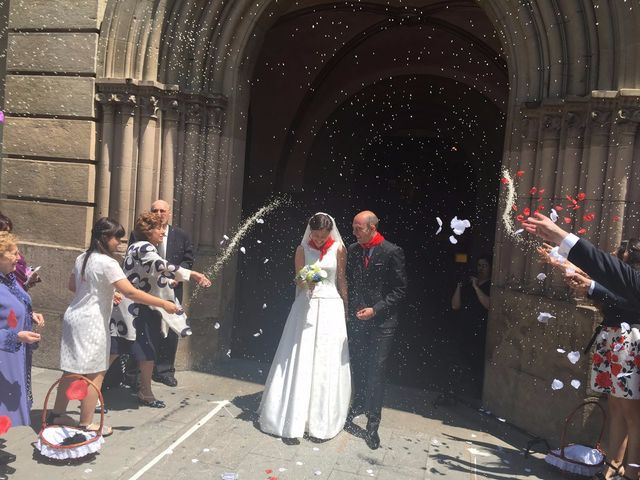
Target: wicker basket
51,437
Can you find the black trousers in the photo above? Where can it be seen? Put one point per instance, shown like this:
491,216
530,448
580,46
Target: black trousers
369,349
166,355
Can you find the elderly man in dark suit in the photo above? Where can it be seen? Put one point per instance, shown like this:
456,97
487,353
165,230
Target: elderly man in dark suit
377,283
176,247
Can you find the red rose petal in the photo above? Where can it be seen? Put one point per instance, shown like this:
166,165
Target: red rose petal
567,219
533,190
616,218
77,390
268,471
559,208
540,208
514,207
519,173
504,180
12,321
581,196
571,199
582,231
526,212
520,218
5,424
541,191
575,207
589,217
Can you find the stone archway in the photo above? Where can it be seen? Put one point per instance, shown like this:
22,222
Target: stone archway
171,79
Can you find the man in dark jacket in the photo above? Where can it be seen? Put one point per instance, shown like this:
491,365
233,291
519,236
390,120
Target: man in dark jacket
377,283
177,249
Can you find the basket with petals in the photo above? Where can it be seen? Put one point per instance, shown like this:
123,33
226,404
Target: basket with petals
579,460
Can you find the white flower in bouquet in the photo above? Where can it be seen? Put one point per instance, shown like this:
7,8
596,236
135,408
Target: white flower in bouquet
311,274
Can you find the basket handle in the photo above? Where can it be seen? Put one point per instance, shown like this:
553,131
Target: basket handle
46,402
563,443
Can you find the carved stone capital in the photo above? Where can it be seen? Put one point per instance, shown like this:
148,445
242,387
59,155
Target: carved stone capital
193,113
601,118
626,115
552,123
149,106
576,120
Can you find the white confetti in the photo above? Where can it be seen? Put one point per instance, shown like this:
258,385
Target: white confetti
221,242
216,326
555,254
561,350
553,215
453,239
88,470
556,384
317,473
225,237
299,463
623,374
229,353
259,241
264,306
369,470
194,460
519,231
435,441
527,470
259,220
575,384
206,450
459,226
625,327
544,317
266,260
257,334
315,449
541,276
282,469
439,225
473,435
243,250
502,419
573,357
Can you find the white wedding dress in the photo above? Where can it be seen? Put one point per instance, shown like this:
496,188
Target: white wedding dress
309,385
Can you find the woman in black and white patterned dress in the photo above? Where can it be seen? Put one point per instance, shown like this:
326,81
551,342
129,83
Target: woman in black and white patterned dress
138,327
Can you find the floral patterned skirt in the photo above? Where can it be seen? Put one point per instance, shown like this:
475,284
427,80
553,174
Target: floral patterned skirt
616,362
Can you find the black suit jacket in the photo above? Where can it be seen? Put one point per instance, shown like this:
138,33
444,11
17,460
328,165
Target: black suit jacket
179,251
607,270
382,285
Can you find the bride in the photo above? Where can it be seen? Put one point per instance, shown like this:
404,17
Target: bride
309,385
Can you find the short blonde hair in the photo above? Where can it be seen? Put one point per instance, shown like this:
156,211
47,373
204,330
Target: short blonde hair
145,223
7,240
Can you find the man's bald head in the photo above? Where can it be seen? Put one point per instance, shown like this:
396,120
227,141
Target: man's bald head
162,208
365,226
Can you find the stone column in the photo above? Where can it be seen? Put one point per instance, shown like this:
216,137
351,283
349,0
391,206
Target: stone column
146,153
617,177
210,174
598,157
122,191
169,139
193,120
103,171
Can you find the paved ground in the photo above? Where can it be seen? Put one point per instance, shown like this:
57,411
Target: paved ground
201,436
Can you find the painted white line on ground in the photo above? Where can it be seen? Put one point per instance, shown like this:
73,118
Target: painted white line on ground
187,434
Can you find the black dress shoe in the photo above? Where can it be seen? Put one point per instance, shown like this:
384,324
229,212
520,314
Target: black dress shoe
168,380
373,440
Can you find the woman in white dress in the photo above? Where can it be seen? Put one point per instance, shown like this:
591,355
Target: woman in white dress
309,385
86,339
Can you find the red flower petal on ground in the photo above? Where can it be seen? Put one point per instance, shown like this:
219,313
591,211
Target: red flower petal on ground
5,424
589,217
559,208
603,379
571,199
77,390
541,191
597,359
575,207
540,208
520,218
581,196
533,190
268,471
519,173
526,212
12,321
567,219
636,361
616,368
504,180
582,231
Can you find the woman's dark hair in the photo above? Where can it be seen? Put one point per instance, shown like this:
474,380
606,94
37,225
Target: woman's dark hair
6,225
621,249
104,229
633,253
320,221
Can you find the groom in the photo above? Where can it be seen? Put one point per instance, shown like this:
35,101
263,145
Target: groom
377,284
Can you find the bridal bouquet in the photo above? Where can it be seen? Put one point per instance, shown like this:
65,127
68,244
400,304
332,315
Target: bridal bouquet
311,274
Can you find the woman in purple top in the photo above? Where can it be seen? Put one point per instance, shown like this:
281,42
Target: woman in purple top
17,340
26,279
